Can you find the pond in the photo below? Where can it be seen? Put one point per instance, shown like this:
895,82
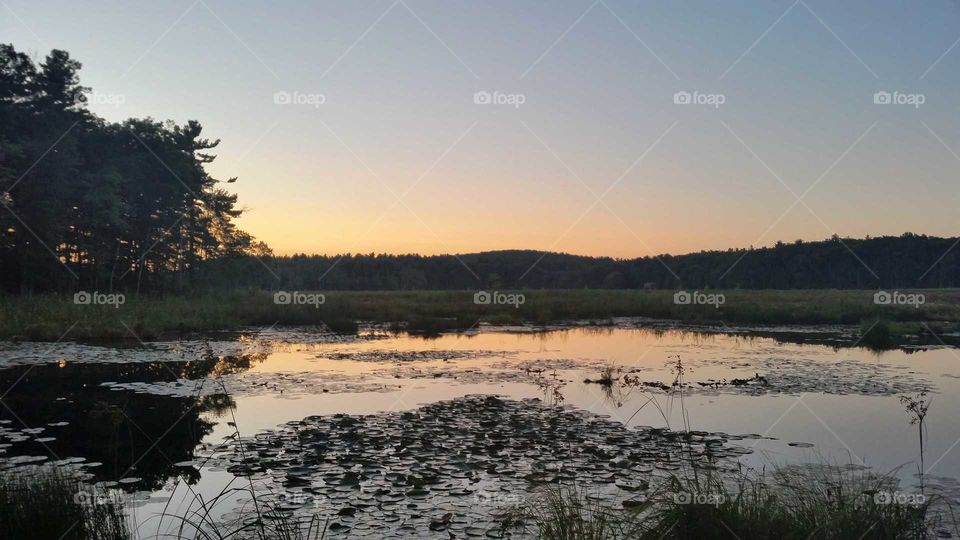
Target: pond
391,434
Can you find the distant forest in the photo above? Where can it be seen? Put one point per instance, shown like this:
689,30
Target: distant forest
87,204
906,261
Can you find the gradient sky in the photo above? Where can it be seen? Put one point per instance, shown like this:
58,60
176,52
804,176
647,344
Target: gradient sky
598,120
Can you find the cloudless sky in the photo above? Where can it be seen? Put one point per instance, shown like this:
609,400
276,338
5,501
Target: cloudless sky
598,159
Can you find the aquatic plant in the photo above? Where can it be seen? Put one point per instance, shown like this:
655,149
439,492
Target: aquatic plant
788,502
917,406
566,514
673,389
50,503
783,503
417,466
608,375
260,521
679,370
877,334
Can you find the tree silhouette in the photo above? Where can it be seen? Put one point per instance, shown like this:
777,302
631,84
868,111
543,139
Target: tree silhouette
86,203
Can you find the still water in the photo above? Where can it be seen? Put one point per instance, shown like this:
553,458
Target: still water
164,422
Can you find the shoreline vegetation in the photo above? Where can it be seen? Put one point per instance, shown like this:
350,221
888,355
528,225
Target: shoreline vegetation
782,503
785,502
49,504
50,317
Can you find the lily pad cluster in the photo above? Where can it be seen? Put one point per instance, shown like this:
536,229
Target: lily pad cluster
451,466
259,383
795,375
10,435
389,355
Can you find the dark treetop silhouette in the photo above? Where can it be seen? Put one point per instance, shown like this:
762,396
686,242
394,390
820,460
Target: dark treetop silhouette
87,201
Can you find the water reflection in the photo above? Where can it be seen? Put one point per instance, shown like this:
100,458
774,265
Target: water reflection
61,411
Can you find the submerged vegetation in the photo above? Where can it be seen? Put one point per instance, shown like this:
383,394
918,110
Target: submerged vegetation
49,317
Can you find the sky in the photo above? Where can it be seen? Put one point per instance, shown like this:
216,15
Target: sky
596,127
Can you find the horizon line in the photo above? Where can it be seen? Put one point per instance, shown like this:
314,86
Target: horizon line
776,244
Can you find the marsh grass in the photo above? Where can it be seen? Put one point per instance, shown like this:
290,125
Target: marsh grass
608,375
261,521
48,503
794,502
567,514
878,333
785,503
48,317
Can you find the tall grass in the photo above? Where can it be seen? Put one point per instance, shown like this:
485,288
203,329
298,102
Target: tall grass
200,521
569,514
790,503
49,504
47,317
785,503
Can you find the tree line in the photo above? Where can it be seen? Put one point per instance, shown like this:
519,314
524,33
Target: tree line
87,203
907,261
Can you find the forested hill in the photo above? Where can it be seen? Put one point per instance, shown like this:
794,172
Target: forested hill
893,262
